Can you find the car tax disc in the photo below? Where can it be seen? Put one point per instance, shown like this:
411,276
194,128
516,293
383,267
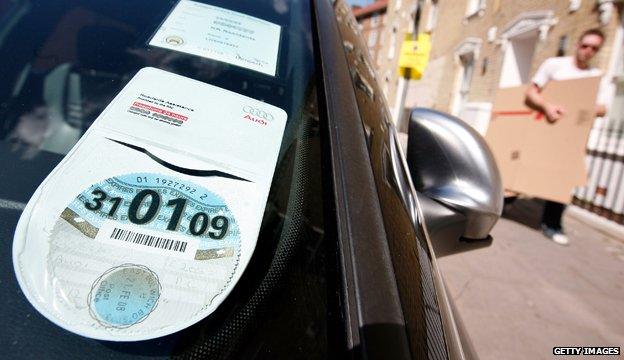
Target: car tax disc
130,238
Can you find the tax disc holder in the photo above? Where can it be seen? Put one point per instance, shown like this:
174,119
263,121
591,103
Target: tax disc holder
147,224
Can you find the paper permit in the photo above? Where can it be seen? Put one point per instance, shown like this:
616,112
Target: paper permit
148,223
220,34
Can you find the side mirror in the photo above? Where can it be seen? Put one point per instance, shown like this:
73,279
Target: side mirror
451,165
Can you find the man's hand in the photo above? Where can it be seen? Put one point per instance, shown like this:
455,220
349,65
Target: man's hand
535,100
601,110
553,112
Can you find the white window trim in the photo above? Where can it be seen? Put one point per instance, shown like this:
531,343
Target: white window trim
574,5
491,34
432,16
606,10
468,45
526,22
475,7
472,46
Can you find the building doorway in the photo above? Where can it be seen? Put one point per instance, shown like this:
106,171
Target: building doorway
517,60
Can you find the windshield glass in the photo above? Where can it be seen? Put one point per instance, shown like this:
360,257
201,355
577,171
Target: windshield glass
63,62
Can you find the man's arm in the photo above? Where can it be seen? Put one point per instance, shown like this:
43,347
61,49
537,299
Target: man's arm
535,100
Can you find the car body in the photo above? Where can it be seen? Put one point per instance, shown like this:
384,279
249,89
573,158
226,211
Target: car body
344,265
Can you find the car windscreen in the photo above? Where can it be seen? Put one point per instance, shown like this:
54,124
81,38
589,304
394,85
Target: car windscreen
63,62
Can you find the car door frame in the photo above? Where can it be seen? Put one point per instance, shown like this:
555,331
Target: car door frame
374,321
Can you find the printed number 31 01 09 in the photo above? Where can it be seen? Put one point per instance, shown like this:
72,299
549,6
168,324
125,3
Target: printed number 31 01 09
199,223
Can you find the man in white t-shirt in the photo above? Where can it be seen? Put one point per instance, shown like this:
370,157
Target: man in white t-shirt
564,68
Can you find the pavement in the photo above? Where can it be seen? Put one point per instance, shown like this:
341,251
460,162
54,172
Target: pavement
524,295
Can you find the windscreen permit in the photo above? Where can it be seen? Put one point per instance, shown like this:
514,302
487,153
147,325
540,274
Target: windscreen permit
220,34
148,223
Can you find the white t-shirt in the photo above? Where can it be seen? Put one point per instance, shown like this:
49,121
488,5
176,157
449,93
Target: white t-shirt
564,68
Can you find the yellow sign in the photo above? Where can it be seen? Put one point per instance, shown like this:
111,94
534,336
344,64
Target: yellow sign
414,56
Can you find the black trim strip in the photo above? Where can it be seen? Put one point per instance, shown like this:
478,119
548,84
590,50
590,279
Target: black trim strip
372,310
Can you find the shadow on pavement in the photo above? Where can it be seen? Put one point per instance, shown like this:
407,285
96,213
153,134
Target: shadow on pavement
526,211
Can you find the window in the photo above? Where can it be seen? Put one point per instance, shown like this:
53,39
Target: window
484,66
466,54
393,41
372,38
467,69
563,44
374,20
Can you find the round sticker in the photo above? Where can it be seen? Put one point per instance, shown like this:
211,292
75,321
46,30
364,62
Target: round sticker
141,252
124,295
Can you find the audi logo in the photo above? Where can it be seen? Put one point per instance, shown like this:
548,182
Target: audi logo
257,112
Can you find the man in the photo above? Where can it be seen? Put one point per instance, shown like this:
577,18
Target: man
564,68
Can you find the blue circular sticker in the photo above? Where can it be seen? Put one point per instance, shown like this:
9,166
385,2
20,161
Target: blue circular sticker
124,295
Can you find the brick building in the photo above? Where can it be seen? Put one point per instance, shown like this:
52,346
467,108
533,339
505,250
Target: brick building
372,20
482,45
399,24
384,24
479,46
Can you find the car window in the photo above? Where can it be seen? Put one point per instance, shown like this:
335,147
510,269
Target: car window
63,62
407,242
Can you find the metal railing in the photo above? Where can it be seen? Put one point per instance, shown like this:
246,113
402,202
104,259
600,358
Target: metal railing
604,192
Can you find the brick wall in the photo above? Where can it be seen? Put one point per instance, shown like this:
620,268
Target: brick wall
399,15
453,27
372,25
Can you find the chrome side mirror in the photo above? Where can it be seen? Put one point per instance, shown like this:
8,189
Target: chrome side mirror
451,164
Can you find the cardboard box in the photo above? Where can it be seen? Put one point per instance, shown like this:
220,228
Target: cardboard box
538,158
